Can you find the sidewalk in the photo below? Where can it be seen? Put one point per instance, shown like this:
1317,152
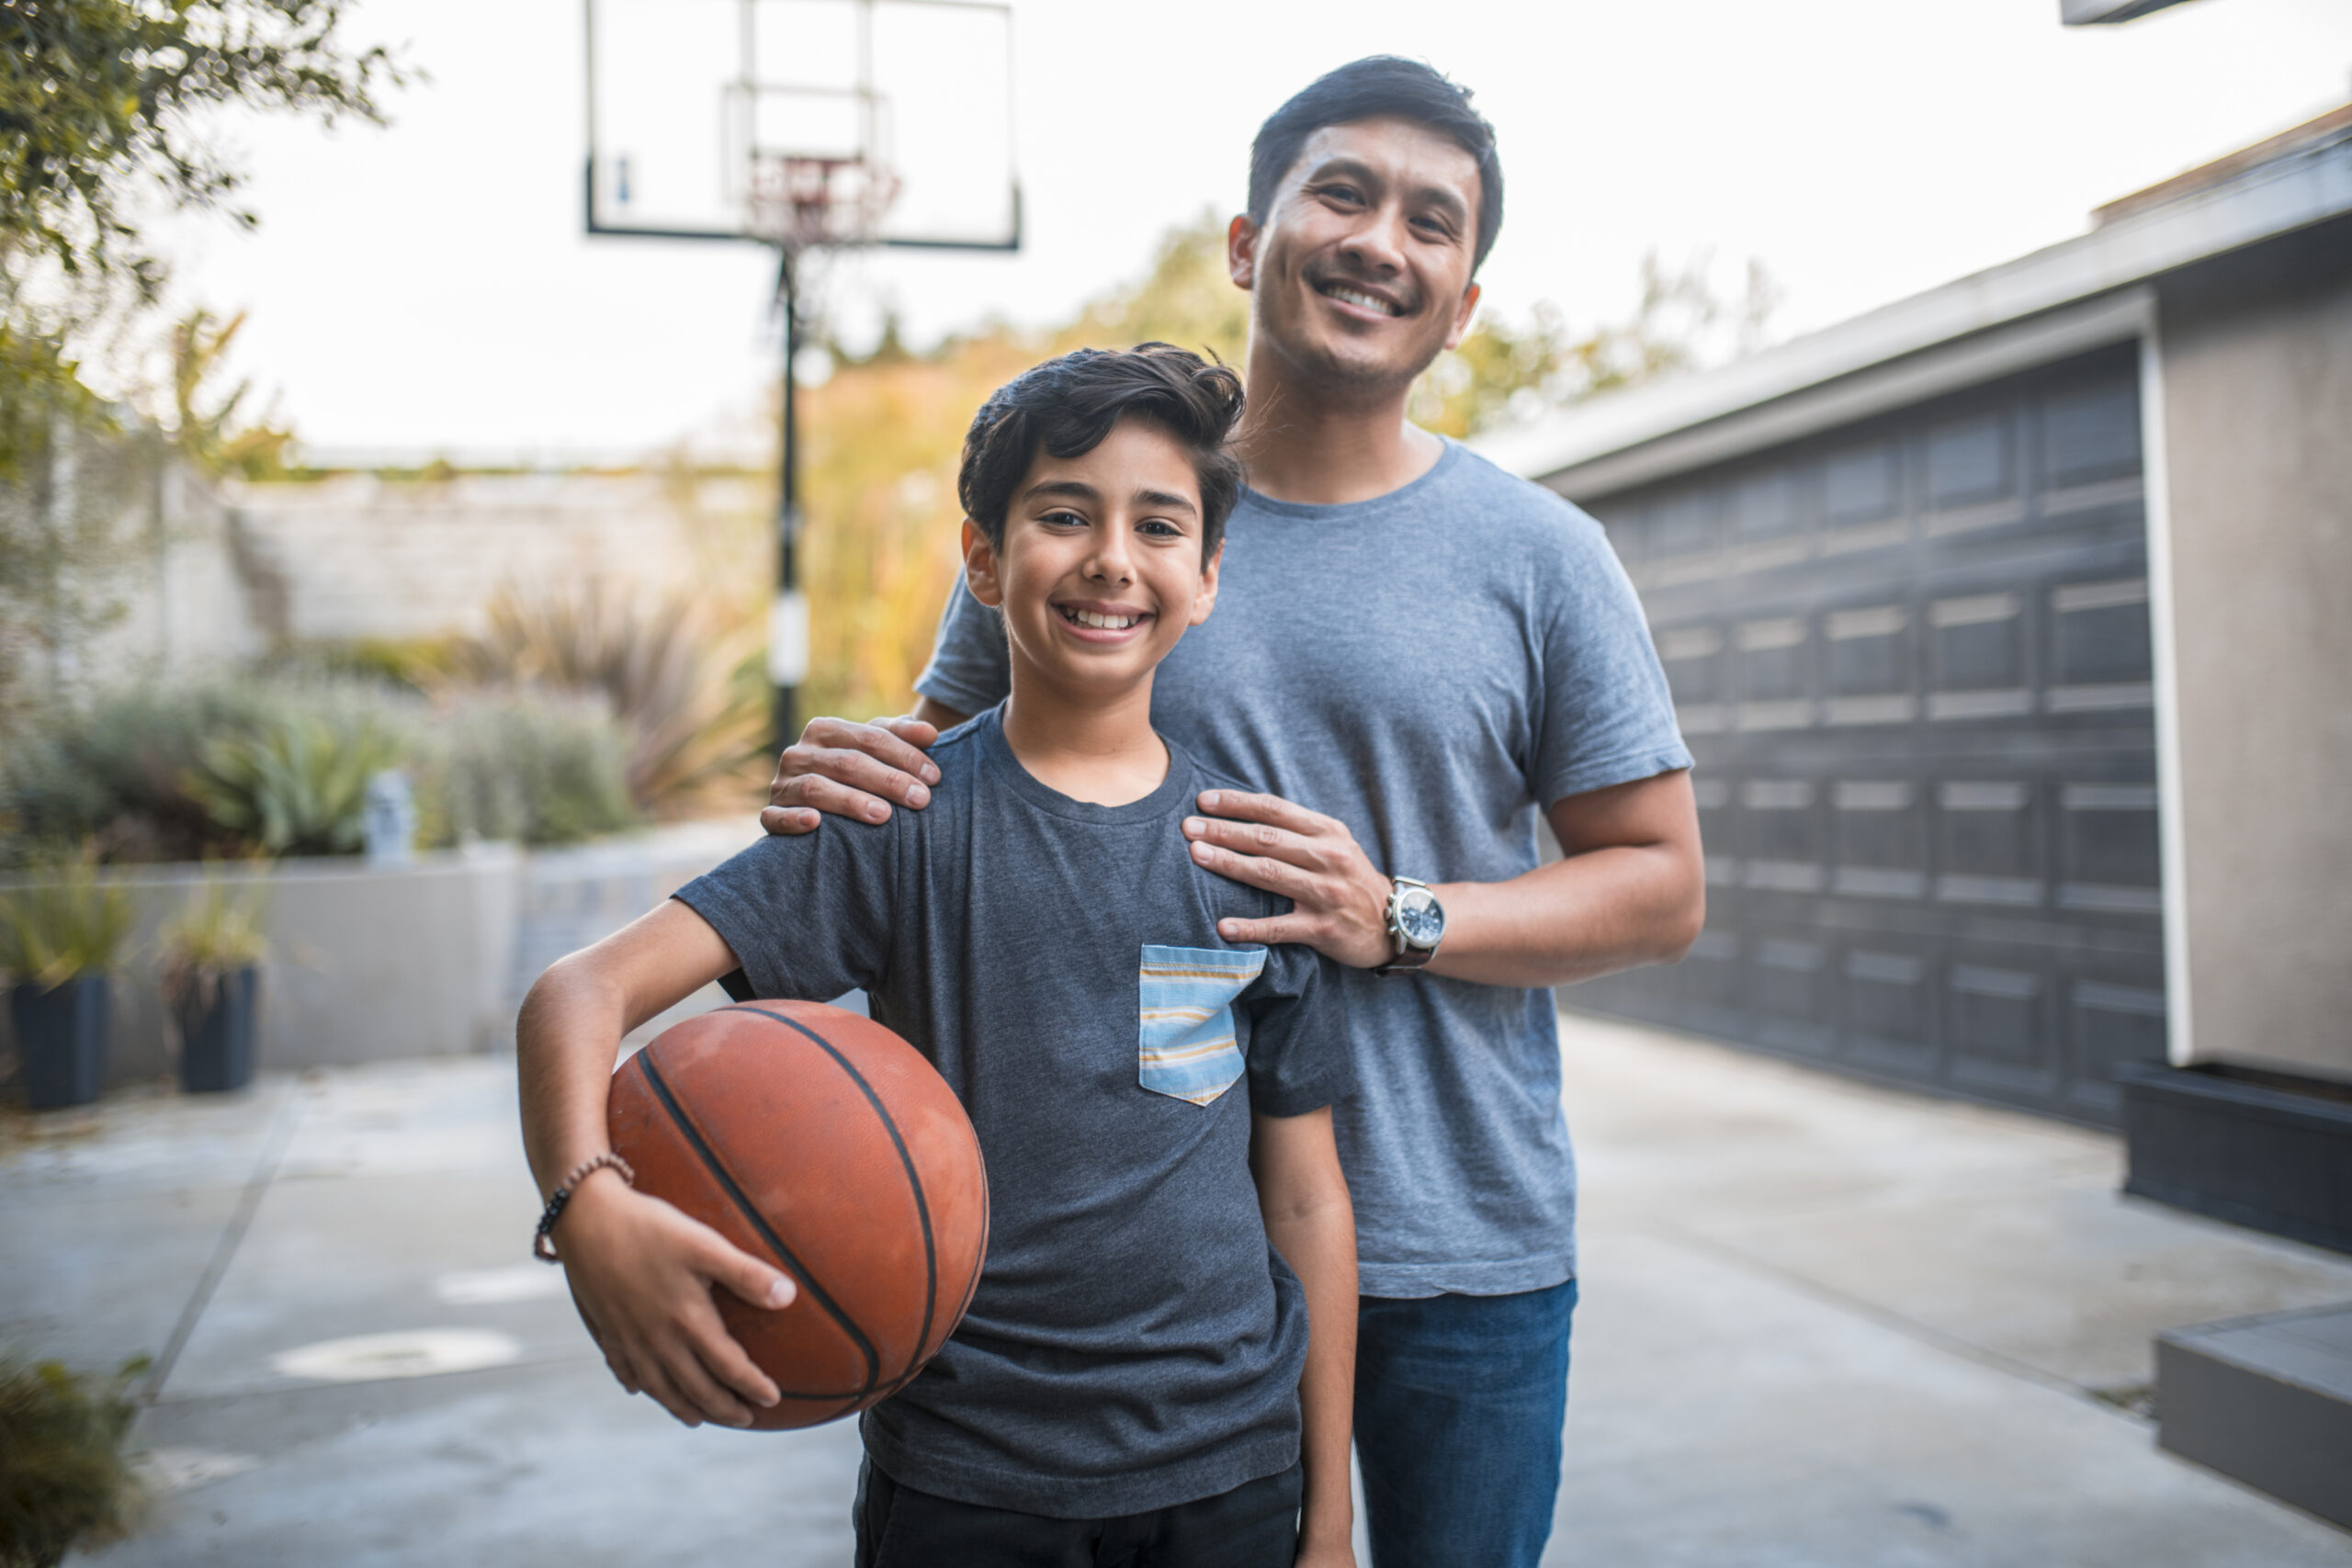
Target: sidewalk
1822,1324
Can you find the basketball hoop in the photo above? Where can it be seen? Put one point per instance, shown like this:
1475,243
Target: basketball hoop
797,203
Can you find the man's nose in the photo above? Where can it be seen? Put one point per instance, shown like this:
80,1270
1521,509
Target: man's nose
1377,244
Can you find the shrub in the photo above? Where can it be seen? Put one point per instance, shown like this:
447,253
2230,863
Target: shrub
63,1478
542,770
64,924
294,785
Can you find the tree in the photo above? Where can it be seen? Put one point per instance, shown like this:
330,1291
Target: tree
102,127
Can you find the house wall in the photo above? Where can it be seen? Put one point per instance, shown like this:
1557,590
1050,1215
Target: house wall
2256,370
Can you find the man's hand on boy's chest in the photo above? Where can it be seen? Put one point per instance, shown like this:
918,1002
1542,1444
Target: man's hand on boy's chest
1339,899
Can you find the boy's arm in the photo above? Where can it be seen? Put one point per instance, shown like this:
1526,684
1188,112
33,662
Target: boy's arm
1312,1224
641,1271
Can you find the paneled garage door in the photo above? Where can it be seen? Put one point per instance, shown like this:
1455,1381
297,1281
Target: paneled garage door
1911,660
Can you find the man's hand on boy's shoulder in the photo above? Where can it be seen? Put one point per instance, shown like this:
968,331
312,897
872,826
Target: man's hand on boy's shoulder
841,768
641,1272
1339,899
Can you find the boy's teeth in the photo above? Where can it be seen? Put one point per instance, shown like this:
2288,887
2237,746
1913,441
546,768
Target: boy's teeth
1100,621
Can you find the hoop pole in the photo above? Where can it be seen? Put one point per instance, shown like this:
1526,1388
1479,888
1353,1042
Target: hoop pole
789,615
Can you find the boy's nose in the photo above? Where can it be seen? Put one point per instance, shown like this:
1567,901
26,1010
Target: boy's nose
1109,562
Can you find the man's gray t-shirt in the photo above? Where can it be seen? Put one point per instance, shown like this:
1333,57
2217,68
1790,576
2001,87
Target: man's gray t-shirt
1430,667
1133,1342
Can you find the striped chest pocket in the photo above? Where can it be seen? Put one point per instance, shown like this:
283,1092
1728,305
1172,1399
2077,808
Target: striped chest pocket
1185,1046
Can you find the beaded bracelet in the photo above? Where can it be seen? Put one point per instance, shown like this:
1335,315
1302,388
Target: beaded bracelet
543,1243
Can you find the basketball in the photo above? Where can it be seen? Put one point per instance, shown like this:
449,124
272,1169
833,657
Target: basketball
820,1142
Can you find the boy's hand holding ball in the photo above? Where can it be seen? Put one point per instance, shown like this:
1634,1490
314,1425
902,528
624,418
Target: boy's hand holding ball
641,1274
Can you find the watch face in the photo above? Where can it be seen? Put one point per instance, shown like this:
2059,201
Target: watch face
1419,917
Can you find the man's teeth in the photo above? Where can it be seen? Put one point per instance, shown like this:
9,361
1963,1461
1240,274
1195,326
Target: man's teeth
1351,296
1102,622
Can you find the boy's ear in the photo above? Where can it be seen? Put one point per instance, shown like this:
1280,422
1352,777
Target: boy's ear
1241,250
980,574
1204,596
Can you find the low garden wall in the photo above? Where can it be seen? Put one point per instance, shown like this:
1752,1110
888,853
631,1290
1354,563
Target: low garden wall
429,959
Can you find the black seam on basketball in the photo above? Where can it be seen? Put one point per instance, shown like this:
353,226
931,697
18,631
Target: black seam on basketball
758,1221
906,1159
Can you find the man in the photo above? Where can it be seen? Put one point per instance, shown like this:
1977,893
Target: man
1413,653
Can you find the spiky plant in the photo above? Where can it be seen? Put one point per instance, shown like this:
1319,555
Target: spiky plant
63,1476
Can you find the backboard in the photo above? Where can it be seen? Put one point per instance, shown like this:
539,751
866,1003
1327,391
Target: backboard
890,120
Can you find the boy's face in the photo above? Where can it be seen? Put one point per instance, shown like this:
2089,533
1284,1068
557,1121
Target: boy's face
1100,570
1361,274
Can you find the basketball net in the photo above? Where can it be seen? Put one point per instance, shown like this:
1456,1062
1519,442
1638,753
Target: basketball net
803,203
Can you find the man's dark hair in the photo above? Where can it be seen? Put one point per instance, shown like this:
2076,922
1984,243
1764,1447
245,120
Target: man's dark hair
1379,86
1066,406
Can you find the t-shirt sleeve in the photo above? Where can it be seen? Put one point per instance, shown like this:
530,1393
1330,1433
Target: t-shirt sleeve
1605,716
808,917
1299,1059
970,670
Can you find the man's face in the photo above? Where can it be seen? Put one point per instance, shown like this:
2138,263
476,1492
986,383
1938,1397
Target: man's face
1100,570
1361,273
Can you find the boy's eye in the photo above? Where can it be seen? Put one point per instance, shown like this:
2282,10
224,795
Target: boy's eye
1160,527
1064,519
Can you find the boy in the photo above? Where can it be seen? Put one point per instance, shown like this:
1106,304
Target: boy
1134,1380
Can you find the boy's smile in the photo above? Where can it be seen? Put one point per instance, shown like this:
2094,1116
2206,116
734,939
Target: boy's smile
1100,572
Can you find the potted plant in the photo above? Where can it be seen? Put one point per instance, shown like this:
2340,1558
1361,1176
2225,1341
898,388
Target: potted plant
69,1481
59,940
212,953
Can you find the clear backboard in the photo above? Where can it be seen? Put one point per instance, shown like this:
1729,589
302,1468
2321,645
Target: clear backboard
846,121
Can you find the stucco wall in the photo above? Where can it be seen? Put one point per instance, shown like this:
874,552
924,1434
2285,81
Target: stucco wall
2256,364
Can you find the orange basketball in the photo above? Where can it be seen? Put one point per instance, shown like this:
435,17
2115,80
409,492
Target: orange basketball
822,1142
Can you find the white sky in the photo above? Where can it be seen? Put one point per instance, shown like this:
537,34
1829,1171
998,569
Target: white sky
427,288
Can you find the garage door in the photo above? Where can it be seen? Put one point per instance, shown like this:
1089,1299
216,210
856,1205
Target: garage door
1911,657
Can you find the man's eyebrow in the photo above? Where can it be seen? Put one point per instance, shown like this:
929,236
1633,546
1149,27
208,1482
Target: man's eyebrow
1341,166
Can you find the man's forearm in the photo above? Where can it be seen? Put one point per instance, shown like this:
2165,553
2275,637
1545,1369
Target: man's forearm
1589,914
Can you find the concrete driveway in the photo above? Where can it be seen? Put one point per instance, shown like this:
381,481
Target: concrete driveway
1822,1324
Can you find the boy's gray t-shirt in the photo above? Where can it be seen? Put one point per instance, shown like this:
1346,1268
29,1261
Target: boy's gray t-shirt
1430,667
1133,1342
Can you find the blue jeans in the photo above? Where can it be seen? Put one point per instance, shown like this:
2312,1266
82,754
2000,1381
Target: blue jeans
1459,1404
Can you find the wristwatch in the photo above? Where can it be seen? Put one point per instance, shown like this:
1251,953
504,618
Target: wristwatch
1416,924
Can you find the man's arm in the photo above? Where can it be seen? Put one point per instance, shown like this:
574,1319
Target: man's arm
841,768
1312,1224
1630,888
641,1271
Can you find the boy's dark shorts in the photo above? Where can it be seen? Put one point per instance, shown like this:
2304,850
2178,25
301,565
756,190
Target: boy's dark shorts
1253,1526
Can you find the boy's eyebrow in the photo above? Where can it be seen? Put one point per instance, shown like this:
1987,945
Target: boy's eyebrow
1078,489
1340,165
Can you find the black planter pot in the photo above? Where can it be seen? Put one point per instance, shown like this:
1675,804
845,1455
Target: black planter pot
215,1016
61,1033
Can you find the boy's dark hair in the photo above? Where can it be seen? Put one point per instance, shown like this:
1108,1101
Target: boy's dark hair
1379,86
1066,406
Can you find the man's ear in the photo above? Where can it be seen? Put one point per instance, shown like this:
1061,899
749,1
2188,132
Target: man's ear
980,571
1241,250
1462,317
1204,596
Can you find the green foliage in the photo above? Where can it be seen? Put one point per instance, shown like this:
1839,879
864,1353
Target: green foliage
295,785
215,932
101,102
206,426
63,1477
62,922
535,768
278,765
1505,373
1187,298
665,666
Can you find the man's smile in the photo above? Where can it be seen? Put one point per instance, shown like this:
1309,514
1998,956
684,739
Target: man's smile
1361,296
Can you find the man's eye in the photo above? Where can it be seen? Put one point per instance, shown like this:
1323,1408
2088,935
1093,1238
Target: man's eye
1345,193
